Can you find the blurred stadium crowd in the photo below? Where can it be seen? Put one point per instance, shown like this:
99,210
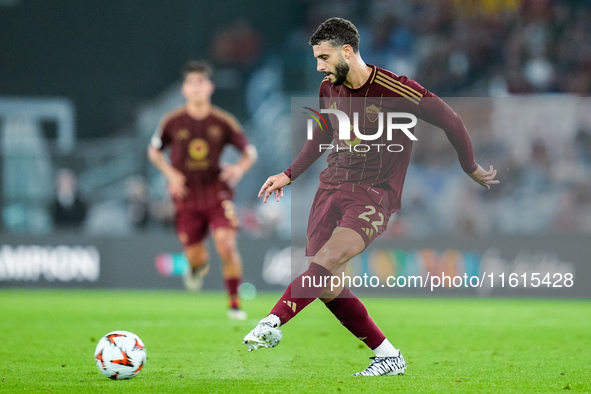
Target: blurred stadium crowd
461,49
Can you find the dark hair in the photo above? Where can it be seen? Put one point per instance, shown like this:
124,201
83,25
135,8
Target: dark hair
338,32
195,66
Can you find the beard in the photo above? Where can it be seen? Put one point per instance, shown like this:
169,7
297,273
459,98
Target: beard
340,72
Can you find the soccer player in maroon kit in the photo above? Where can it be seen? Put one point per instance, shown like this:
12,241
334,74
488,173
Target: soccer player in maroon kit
202,190
357,191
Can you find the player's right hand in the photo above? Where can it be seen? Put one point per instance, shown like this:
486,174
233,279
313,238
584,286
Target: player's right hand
274,185
177,187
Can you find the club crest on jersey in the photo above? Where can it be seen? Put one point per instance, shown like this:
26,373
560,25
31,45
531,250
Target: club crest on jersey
372,112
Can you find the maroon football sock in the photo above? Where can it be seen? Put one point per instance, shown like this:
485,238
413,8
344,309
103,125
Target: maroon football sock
301,292
353,315
232,289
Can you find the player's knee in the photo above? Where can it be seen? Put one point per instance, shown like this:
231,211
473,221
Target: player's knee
331,256
227,252
196,257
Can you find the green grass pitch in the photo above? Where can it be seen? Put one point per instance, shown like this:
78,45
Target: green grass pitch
450,345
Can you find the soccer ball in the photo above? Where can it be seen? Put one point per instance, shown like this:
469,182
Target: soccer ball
120,355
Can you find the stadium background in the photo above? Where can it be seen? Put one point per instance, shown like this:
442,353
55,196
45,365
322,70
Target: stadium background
82,86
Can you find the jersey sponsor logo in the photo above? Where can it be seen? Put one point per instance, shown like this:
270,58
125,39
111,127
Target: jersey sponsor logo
353,142
198,150
350,147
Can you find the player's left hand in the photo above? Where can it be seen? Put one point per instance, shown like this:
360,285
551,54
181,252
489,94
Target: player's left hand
232,174
485,178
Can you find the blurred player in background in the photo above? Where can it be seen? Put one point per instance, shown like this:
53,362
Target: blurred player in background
355,190
201,188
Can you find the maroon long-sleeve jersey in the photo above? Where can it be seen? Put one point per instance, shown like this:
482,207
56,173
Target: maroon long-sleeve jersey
196,146
382,168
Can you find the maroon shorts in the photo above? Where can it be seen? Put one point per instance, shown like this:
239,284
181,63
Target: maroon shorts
192,225
335,208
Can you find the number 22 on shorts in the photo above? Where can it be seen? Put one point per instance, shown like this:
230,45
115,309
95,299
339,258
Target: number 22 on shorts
371,210
230,212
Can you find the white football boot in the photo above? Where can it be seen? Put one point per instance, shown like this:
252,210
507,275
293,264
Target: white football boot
382,366
266,334
193,278
236,314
